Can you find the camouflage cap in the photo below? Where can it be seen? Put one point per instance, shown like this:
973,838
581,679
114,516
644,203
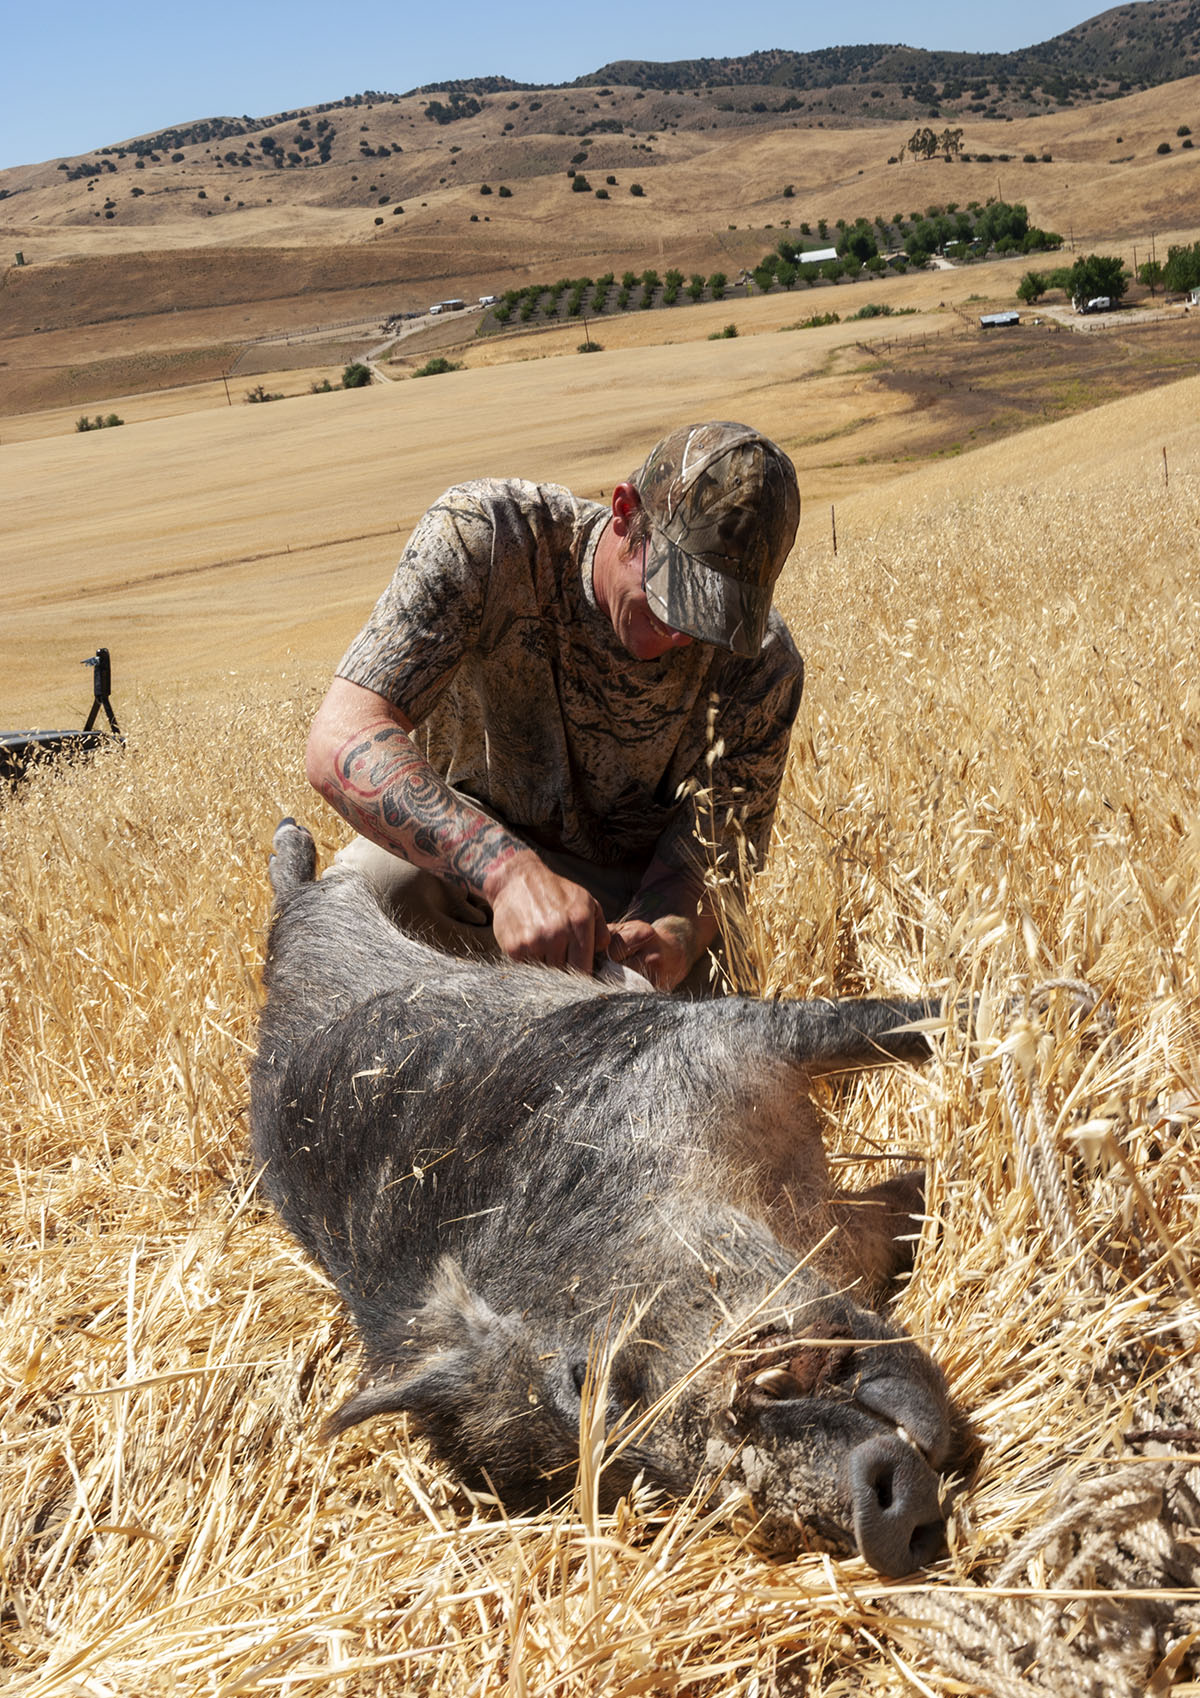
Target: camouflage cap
723,506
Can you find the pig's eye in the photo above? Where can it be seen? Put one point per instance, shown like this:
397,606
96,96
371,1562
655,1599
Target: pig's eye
777,1383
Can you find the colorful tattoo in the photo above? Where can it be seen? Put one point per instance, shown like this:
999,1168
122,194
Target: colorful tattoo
386,789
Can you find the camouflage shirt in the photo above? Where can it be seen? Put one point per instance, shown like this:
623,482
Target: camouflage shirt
489,639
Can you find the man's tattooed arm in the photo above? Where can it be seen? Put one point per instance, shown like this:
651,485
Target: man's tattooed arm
362,761
385,788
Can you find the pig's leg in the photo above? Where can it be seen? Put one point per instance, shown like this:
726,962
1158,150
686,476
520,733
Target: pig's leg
880,1227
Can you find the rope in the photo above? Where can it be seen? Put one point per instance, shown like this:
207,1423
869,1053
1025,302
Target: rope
1125,1530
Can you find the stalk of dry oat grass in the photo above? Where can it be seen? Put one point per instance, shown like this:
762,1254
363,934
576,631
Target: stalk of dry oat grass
994,784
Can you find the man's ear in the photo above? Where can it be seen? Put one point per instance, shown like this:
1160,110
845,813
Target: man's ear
625,503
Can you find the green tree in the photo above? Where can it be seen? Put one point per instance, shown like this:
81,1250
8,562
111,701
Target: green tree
717,284
1151,274
1097,275
356,375
1182,270
1032,287
859,242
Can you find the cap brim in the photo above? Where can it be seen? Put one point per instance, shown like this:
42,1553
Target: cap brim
691,594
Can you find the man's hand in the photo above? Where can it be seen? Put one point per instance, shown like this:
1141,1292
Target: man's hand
662,952
537,916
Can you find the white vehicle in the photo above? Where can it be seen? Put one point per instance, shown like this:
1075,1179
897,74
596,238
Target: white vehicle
488,300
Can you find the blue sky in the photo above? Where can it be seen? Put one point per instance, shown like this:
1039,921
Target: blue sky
76,75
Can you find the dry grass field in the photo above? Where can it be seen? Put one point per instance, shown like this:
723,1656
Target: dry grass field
994,789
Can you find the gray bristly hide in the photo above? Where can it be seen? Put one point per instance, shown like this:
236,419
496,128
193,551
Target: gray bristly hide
509,1173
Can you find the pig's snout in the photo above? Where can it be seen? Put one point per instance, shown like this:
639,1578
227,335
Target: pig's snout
898,1523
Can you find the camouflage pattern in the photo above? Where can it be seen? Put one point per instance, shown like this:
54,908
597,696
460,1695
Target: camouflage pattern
723,506
490,640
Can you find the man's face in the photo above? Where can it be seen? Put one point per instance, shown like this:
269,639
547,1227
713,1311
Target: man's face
643,635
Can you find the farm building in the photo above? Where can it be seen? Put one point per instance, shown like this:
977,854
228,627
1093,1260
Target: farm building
997,320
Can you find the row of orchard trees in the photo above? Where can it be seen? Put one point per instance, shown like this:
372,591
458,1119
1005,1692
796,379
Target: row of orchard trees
969,232
606,294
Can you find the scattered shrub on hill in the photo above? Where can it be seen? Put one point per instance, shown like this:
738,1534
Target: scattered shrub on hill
636,189
580,184
485,188
356,375
100,422
436,366
1163,147
590,347
873,309
1183,130
601,194
257,395
458,106
730,330
504,192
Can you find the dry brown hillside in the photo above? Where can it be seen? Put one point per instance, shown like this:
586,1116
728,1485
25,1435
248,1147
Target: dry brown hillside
160,269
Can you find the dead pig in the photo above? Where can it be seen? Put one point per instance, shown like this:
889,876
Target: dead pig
508,1171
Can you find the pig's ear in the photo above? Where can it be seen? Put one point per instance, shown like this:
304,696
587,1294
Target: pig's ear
437,1349
438,1387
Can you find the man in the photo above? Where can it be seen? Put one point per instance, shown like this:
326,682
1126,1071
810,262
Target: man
557,708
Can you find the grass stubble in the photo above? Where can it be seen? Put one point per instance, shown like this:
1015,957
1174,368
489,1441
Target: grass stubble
993,789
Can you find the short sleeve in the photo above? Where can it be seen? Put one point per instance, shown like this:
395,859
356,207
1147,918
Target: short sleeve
430,614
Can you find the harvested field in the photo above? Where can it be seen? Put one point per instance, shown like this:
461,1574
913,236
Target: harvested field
993,790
